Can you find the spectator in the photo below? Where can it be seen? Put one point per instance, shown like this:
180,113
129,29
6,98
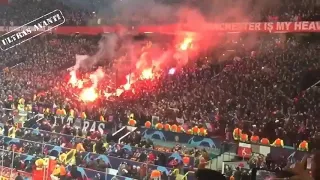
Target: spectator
19,177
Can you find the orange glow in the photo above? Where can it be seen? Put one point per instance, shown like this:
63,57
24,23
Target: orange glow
128,84
119,92
186,43
80,84
96,76
88,95
73,80
147,74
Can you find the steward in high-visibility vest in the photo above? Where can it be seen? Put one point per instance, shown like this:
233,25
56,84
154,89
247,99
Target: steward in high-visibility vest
21,106
167,127
21,101
62,157
189,131
58,172
63,112
94,148
174,128
80,148
29,108
101,118
58,112
159,126
132,122
40,163
180,129
46,111
71,113
21,110
244,137
265,141
236,133
303,146
205,132
202,132
83,115
278,143
147,124
195,130
12,132
254,139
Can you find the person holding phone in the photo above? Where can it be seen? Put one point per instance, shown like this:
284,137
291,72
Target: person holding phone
300,171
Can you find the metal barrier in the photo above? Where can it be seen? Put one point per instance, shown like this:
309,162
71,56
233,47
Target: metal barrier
111,161
8,171
228,152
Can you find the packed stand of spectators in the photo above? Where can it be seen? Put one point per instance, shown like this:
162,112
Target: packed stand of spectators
39,62
97,13
229,95
259,93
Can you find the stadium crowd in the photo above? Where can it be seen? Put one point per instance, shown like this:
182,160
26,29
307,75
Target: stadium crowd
257,92
228,102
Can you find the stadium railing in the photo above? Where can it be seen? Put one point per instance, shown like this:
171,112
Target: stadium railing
111,160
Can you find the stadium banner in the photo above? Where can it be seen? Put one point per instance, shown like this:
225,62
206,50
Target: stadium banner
83,125
181,138
270,27
56,151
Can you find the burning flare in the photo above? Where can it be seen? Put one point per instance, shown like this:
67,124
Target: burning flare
186,44
88,95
